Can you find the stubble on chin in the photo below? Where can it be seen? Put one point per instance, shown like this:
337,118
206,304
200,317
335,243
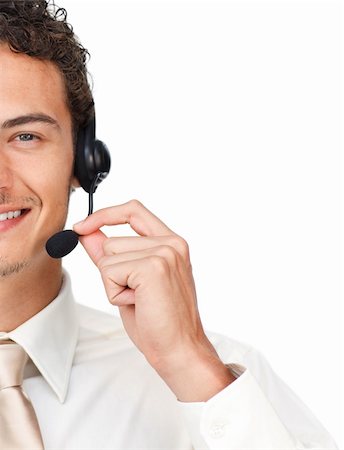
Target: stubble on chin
8,269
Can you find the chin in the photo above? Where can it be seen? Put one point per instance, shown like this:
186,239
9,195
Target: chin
8,269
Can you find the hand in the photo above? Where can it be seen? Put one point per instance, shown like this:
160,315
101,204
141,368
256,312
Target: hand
149,277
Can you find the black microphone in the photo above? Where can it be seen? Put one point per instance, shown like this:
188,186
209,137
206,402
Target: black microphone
63,242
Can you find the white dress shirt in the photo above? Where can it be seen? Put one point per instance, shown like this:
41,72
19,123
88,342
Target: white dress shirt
92,388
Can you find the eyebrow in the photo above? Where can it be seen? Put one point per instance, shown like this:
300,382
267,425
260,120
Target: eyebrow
30,118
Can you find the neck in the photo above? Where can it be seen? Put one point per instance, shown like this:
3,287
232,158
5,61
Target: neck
24,294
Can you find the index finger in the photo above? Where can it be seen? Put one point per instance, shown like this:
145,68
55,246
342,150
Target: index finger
93,244
141,220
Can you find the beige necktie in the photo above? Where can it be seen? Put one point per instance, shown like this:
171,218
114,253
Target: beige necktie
19,428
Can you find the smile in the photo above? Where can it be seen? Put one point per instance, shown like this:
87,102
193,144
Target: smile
9,219
11,214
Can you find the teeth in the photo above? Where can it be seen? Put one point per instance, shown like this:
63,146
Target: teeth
10,215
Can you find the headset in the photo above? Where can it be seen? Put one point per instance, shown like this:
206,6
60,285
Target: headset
91,165
92,158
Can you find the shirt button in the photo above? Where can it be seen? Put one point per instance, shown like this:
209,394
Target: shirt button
217,430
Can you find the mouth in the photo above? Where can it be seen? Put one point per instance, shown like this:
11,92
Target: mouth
10,219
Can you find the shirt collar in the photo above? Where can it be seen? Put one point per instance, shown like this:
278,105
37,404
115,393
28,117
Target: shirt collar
50,338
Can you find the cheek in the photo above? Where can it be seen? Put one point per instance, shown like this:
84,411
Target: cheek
54,186
48,179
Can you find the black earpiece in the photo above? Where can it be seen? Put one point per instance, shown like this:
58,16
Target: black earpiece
92,158
91,165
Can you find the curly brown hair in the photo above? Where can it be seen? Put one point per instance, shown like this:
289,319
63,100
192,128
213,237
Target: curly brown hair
40,29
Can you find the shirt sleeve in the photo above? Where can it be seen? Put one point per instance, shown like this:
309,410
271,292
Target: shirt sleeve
257,411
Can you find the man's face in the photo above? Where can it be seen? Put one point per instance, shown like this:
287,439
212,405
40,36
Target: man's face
36,158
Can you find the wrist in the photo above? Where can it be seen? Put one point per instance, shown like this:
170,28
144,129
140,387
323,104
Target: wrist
195,376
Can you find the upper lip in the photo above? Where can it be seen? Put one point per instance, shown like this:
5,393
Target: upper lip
6,209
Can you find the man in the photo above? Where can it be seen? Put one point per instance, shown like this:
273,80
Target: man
155,382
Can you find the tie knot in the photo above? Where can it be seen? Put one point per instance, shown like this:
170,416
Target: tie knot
12,362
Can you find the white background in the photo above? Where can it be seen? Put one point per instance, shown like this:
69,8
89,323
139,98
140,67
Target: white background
223,119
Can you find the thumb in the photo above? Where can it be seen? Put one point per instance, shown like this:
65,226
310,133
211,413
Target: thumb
93,244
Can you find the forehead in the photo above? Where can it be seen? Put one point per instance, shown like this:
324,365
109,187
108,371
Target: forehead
28,84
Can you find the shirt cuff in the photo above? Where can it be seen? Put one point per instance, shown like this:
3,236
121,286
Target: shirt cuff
240,417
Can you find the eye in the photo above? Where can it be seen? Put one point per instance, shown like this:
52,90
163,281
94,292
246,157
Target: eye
26,137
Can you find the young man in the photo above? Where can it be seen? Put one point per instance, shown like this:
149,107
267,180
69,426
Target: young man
155,382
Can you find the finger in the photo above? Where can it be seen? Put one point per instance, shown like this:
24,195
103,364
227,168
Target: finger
129,274
141,220
114,245
164,251
93,244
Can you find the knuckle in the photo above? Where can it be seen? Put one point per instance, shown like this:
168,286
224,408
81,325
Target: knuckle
135,203
182,246
169,253
159,264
